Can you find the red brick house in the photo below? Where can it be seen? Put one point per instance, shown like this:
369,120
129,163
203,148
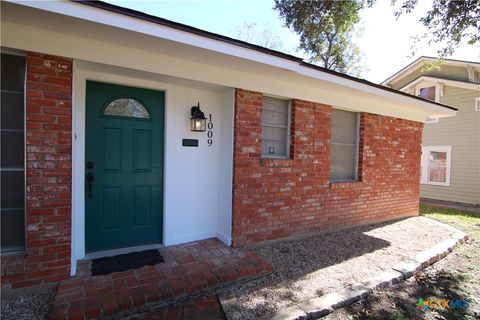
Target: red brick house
105,150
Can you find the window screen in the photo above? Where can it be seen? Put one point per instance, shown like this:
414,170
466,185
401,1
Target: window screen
343,151
275,128
12,166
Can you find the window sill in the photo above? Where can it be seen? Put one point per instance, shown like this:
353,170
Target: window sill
276,162
345,184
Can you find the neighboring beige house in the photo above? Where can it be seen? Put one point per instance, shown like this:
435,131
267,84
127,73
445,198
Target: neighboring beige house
451,146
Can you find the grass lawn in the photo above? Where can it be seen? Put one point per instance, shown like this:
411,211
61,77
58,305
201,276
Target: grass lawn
457,277
462,220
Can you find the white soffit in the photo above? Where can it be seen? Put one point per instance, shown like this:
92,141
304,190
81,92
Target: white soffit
97,15
156,48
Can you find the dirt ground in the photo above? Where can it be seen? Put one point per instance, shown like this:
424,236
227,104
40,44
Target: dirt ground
317,266
455,278
307,268
27,303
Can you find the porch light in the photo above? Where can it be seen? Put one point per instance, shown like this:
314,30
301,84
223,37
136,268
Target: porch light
198,122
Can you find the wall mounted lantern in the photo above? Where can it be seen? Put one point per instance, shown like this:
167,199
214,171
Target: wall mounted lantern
198,122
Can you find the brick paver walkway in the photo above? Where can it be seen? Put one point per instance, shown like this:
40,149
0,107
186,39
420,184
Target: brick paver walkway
207,307
196,268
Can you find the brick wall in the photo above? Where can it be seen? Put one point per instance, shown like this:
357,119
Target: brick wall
271,198
48,171
281,198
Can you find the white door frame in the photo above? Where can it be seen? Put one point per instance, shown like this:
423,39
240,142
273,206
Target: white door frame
80,76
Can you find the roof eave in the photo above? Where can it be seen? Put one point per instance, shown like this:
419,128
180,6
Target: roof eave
416,63
255,54
300,61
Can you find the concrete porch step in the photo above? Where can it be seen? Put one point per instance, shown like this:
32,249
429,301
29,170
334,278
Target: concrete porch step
192,269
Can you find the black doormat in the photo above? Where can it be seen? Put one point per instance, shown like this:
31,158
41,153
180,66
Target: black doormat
124,262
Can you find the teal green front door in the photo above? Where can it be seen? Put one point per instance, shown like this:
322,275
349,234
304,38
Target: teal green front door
123,166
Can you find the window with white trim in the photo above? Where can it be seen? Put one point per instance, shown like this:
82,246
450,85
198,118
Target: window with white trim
344,146
477,104
428,93
435,165
275,128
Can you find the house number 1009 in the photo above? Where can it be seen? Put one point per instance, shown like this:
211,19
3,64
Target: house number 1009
210,130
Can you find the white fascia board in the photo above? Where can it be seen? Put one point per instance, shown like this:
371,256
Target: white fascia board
453,83
97,15
378,92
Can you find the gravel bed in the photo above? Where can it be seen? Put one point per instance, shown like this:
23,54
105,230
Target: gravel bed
311,267
28,303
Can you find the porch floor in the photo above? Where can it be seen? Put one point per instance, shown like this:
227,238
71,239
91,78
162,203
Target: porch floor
188,270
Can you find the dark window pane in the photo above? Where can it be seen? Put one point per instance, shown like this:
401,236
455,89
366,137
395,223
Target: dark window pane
13,72
428,93
12,153
12,149
13,230
12,111
13,195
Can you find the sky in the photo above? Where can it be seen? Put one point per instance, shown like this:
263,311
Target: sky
384,41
